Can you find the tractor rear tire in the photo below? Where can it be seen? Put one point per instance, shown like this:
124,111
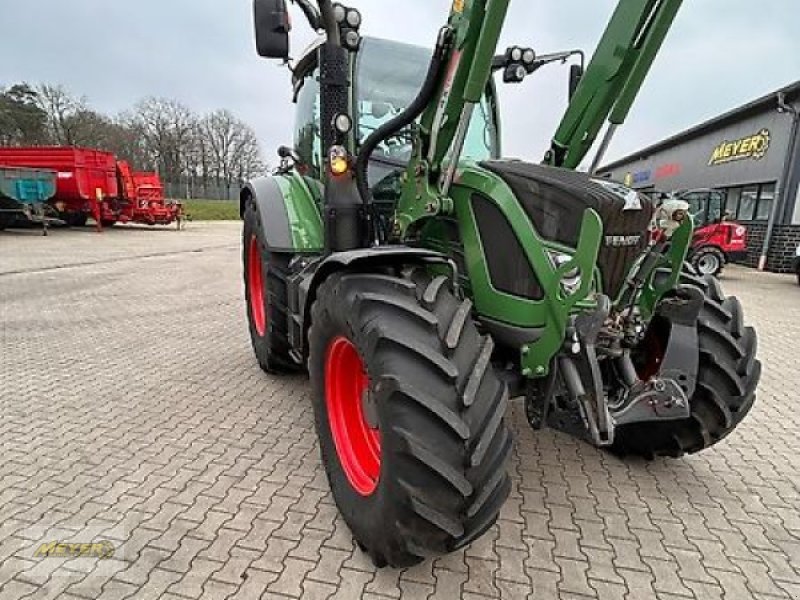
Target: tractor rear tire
708,261
266,295
726,385
410,415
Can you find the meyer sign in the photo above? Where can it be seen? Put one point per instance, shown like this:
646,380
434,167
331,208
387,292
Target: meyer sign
753,147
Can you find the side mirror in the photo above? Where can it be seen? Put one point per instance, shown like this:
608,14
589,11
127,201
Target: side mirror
272,28
575,76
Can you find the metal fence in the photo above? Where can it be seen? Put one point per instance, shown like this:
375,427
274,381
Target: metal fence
195,190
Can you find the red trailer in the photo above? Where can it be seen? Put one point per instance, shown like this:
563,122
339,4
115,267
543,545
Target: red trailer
92,183
87,179
148,185
144,195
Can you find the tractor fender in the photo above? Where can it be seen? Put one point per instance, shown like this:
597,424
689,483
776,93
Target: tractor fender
364,259
288,212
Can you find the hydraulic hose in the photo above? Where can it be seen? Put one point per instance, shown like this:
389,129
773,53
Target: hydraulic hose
404,119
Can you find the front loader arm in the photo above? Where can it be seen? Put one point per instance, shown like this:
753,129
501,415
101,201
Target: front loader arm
613,78
471,37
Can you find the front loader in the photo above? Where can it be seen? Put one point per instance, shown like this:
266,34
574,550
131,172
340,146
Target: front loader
423,281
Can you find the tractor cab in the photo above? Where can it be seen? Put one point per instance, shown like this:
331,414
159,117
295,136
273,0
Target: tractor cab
387,75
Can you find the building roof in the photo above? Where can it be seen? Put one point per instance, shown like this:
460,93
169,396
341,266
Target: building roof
792,92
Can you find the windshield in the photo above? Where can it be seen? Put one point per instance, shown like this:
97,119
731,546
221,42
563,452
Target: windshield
389,76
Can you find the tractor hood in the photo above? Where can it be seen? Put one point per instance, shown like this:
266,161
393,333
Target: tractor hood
556,199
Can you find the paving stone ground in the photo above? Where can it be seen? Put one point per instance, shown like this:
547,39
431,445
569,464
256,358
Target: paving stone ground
131,406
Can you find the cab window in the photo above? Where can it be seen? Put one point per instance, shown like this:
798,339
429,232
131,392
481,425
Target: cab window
389,76
307,135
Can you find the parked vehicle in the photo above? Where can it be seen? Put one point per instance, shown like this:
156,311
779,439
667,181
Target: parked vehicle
24,192
423,281
145,199
717,240
796,264
94,184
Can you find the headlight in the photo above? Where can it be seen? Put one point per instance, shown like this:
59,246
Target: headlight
343,123
354,18
338,160
571,281
529,56
339,13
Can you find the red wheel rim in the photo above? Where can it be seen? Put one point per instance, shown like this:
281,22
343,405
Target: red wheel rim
255,281
357,443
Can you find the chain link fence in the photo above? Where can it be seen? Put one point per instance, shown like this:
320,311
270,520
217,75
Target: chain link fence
198,190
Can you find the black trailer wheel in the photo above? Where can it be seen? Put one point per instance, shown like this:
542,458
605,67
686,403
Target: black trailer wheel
708,261
74,219
6,220
265,287
727,379
409,414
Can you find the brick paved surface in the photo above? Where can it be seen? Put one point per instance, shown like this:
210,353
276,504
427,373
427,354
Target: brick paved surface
130,405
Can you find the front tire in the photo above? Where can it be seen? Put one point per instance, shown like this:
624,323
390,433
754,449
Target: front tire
708,261
409,414
266,296
726,385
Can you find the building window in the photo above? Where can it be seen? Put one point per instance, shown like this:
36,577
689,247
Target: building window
766,199
748,203
732,202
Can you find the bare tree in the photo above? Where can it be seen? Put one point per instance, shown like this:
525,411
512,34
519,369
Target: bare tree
218,150
166,127
61,108
232,149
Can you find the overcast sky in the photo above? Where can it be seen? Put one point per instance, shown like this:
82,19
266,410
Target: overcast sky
720,54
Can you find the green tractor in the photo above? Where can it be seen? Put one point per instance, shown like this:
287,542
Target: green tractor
424,282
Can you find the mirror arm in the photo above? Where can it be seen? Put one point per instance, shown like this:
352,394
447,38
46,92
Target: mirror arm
312,14
563,57
501,61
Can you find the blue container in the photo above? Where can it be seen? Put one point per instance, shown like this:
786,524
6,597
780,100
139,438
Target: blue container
26,186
